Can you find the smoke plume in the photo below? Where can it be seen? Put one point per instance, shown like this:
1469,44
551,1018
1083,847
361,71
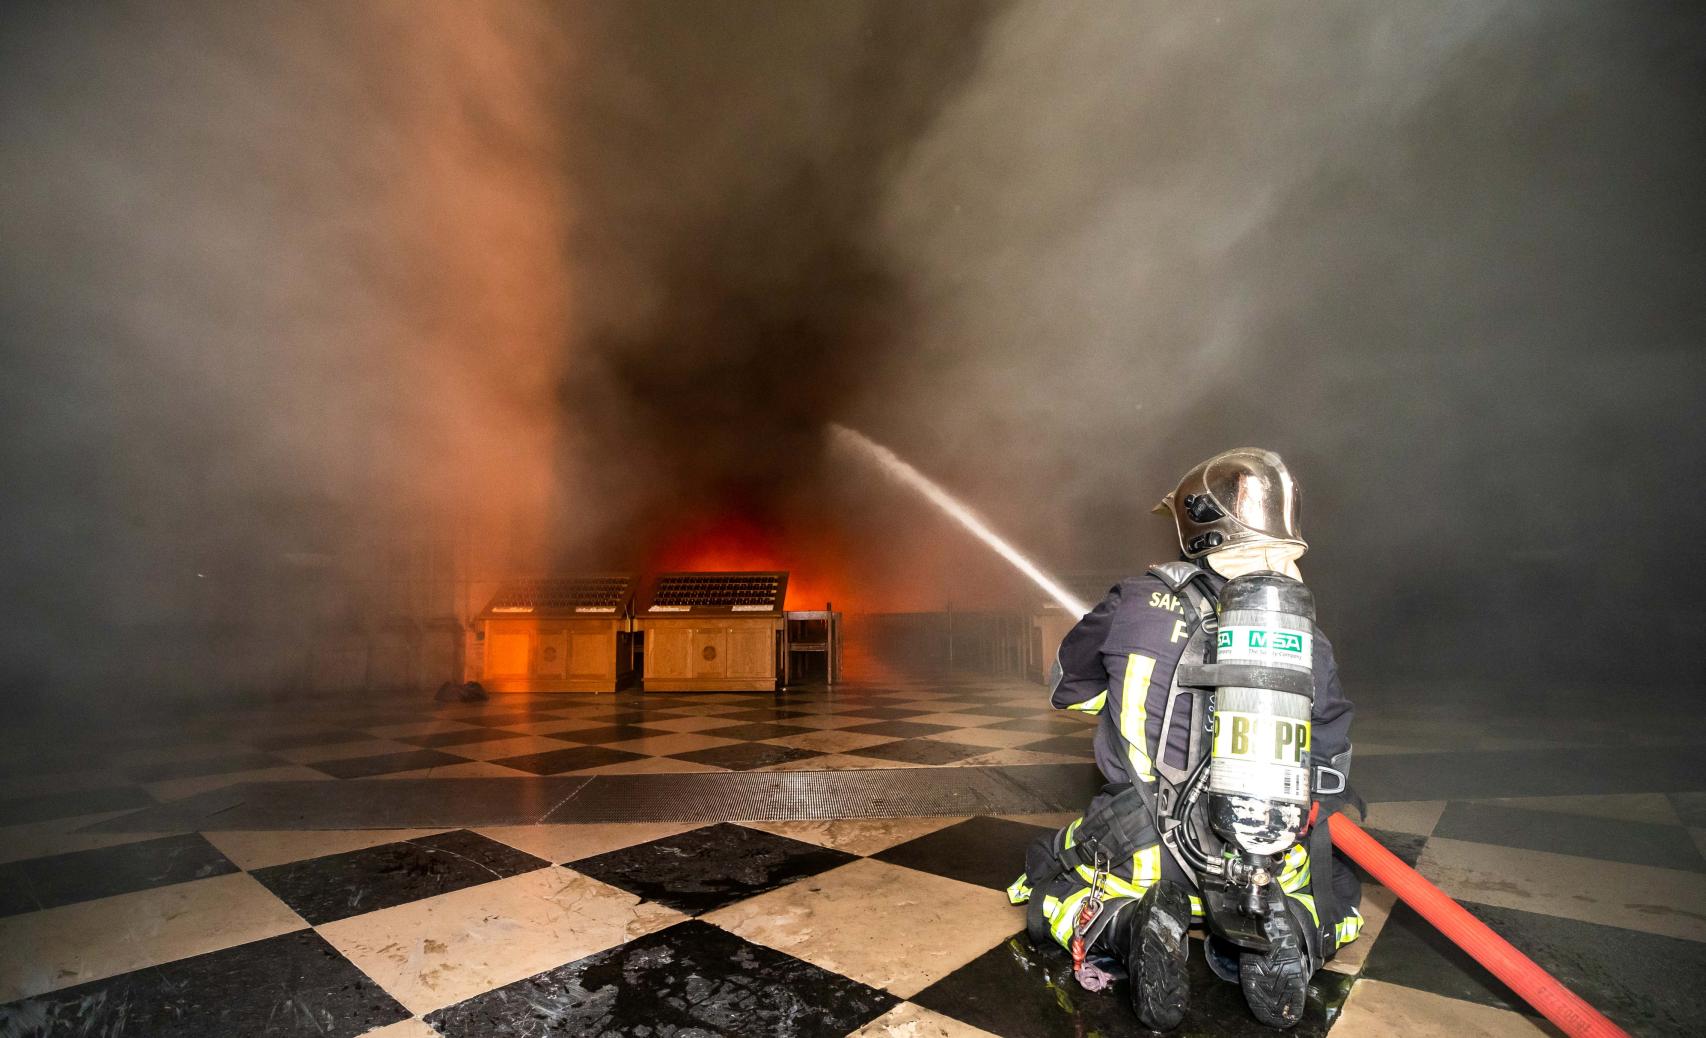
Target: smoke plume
271,274
1445,258
325,316
734,296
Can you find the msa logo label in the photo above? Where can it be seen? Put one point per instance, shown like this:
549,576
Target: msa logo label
1238,644
1276,641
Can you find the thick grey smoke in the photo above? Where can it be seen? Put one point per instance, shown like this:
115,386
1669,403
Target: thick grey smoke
733,296
283,293
314,310
1447,258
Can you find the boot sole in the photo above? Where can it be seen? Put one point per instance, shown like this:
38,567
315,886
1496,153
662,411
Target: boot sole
1276,982
1160,983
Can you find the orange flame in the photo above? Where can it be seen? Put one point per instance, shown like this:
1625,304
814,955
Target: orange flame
733,542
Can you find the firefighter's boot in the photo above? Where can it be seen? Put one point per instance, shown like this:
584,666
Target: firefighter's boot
1155,946
1276,981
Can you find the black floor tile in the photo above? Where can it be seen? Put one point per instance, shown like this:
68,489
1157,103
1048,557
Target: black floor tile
898,729
16,896
1041,708
383,718
670,701
921,751
296,740
23,810
64,879
386,763
705,869
1042,725
874,709
1690,807
571,758
745,756
507,718
1609,839
689,979
754,732
296,984
1078,744
1647,983
989,852
889,713
460,737
768,714
341,885
607,734
621,718
190,767
852,707
732,700
1017,991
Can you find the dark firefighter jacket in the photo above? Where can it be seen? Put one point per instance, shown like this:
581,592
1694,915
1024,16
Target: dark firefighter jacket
1119,661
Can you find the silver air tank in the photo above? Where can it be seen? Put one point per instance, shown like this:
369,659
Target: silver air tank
1258,781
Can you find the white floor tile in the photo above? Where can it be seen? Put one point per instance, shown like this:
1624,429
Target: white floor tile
433,953
60,947
886,926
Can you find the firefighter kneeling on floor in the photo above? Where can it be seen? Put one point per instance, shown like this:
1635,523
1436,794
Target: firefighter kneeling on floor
1224,737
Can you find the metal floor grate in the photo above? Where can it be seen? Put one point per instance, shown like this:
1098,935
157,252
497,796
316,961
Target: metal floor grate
724,796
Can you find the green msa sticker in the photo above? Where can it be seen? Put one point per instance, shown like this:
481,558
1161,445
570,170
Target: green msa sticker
1238,644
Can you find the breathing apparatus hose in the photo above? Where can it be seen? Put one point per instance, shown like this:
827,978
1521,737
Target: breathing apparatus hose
1520,973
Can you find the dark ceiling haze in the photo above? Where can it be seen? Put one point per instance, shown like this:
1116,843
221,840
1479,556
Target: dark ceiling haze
728,167
295,298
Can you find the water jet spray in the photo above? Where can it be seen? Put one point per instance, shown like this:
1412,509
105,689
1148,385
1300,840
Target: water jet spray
895,468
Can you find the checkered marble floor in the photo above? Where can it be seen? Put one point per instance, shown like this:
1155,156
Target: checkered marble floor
515,735
830,927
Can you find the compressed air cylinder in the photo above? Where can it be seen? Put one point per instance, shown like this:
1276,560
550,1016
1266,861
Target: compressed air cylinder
1259,770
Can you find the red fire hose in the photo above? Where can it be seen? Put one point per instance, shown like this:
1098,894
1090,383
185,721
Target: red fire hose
1540,989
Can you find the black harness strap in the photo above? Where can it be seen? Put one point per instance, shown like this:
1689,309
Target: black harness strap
1190,583
1036,919
1328,911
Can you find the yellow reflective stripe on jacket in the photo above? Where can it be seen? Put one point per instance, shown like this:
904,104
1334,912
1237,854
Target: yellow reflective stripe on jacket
1294,875
1307,901
1063,915
1146,866
1348,928
1093,705
1133,717
1019,892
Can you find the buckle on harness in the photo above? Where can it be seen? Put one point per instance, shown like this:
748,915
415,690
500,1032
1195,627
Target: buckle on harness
1322,776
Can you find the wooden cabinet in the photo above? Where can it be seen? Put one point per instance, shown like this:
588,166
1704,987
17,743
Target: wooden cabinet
564,634
712,654
714,632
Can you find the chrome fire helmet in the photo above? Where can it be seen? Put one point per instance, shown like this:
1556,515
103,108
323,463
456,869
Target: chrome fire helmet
1242,496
